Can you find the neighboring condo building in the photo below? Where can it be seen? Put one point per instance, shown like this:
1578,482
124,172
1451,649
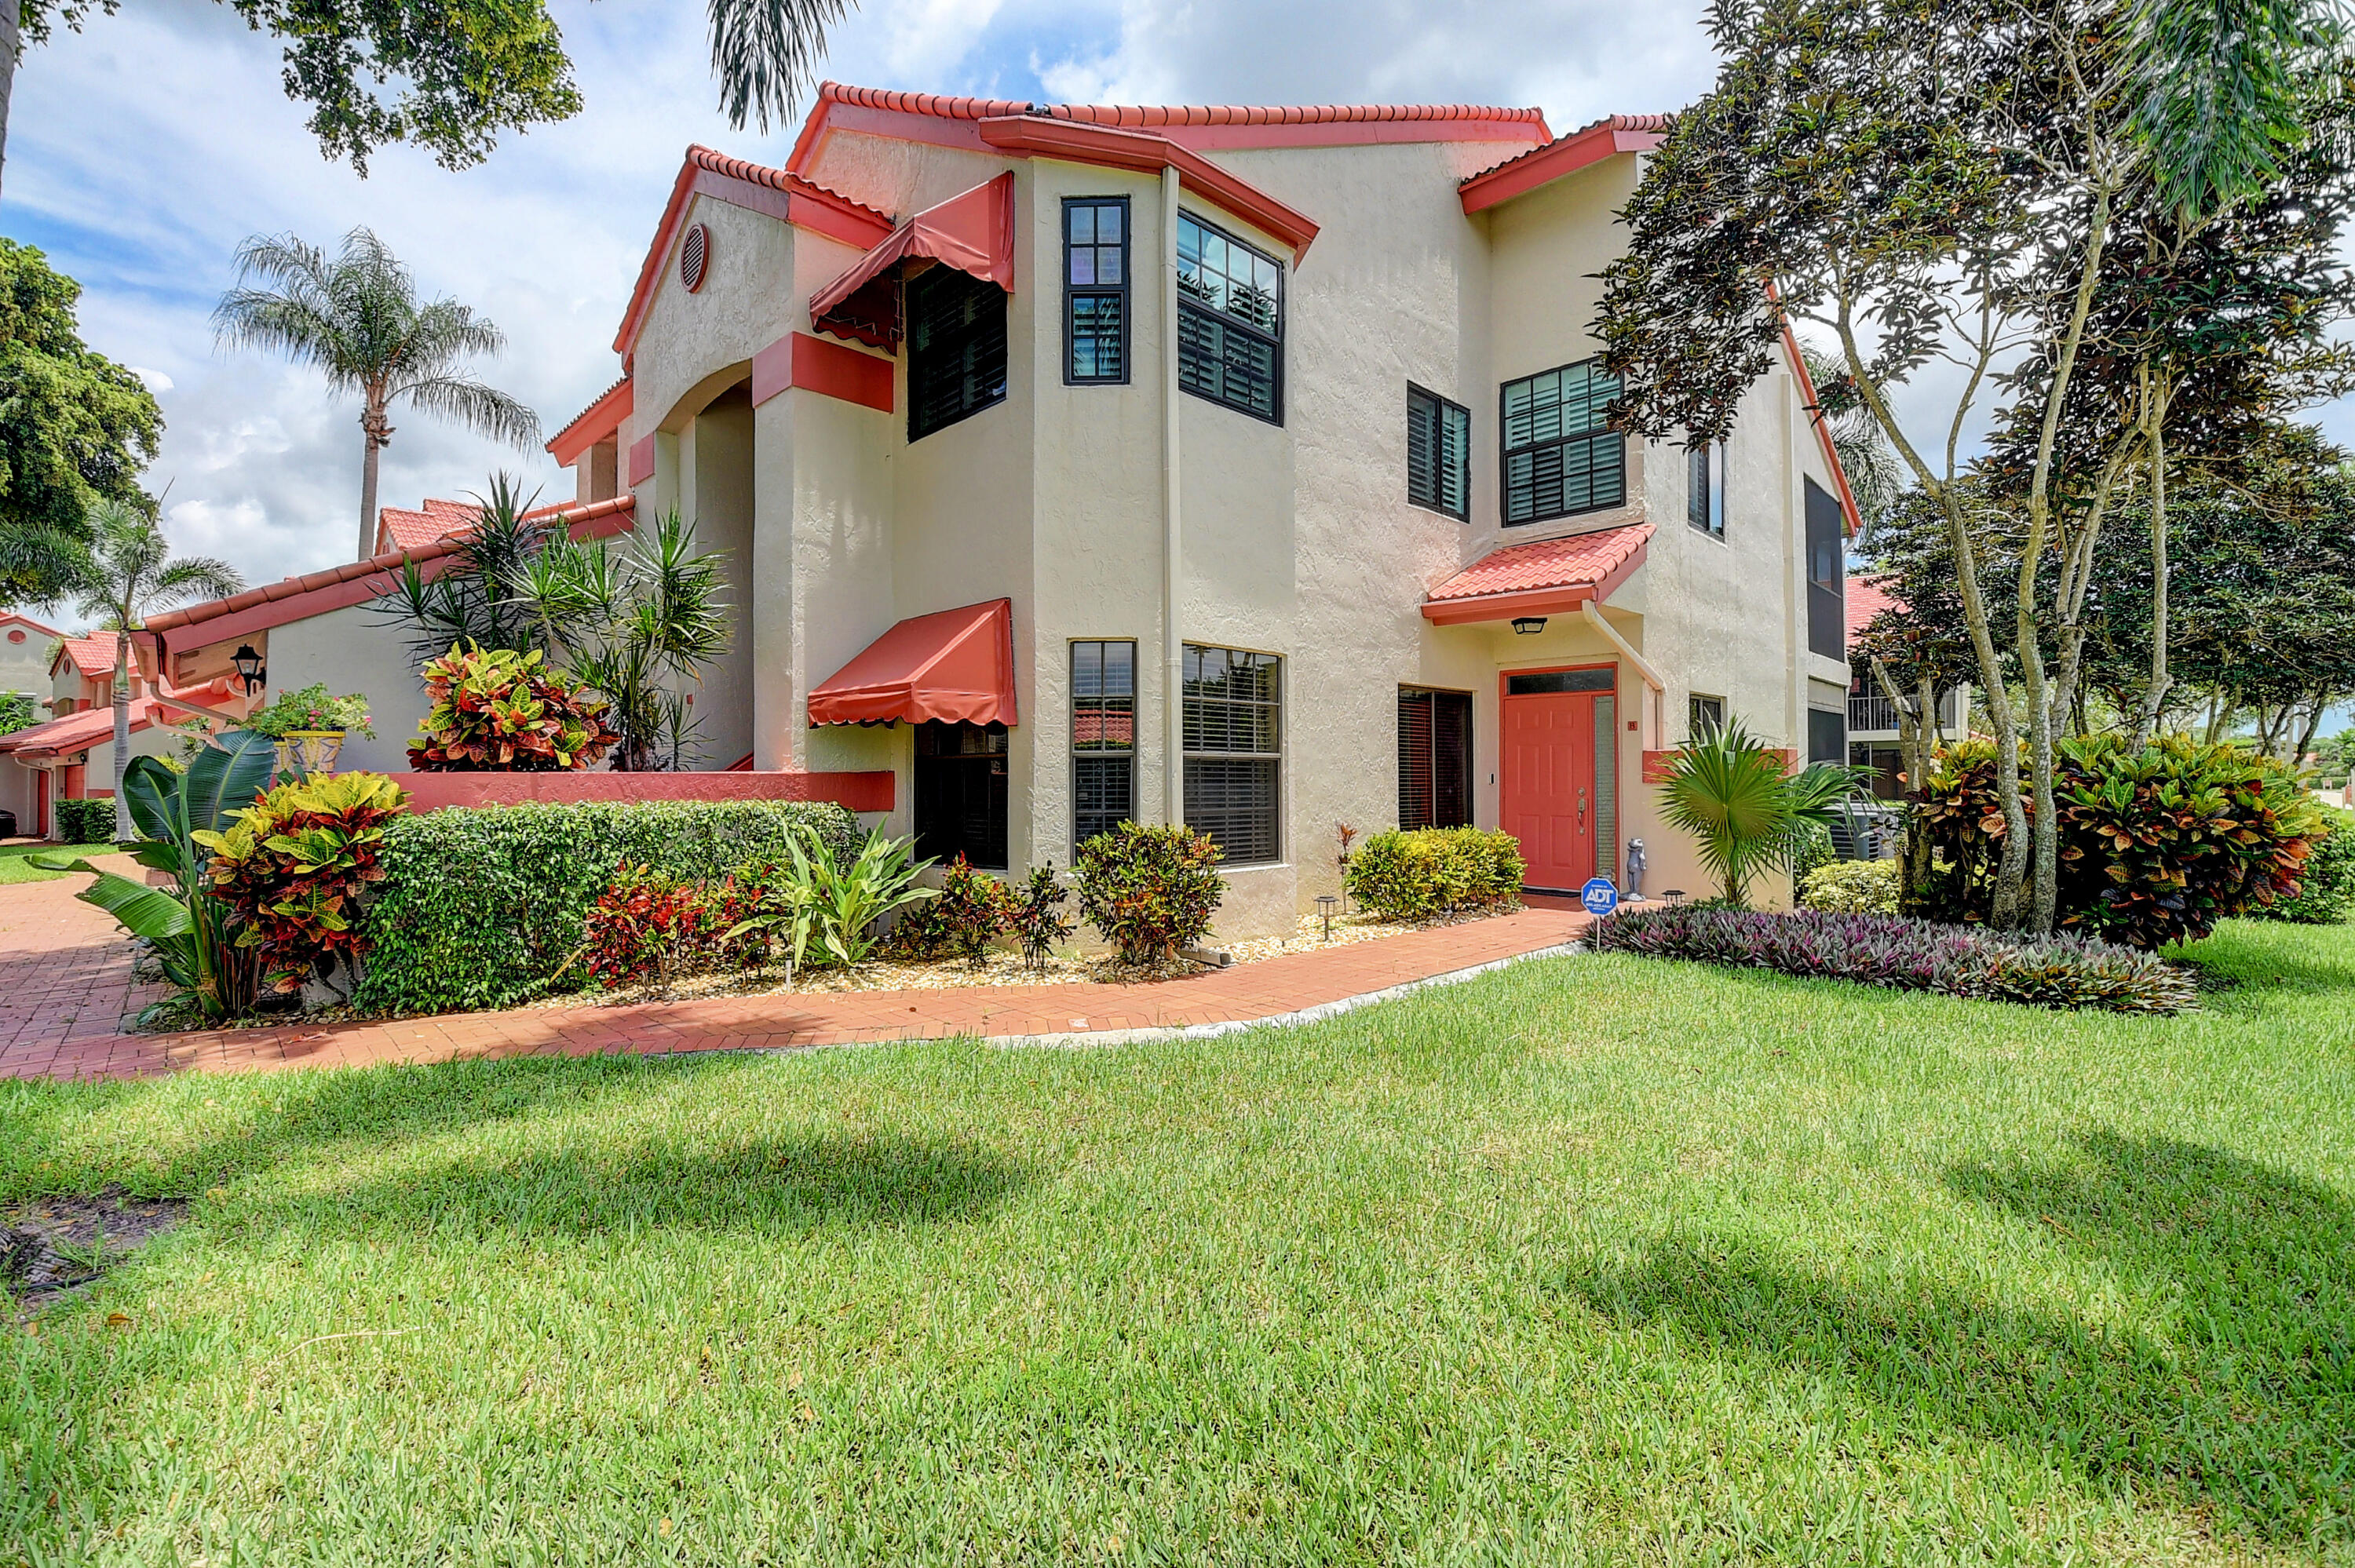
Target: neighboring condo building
1244,467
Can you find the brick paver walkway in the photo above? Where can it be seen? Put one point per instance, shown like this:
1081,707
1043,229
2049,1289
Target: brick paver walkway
66,986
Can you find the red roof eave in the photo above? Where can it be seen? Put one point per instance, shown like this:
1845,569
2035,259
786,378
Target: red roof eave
1550,576
1077,141
593,424
1542,165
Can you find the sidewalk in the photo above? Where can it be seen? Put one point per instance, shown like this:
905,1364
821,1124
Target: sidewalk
65,976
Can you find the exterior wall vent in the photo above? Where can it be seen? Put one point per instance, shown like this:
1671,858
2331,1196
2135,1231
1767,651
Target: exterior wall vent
694,252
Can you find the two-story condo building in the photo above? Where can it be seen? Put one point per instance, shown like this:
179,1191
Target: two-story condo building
1244,467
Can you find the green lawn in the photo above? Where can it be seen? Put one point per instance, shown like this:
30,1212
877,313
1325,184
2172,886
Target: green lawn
16,867
1590,1260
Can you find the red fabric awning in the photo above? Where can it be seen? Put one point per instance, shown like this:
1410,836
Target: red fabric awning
973,233
953,664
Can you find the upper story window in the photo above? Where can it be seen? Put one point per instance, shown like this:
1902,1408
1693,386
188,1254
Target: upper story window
956,348
1560,459
1438,453
1827,574
1703,715
1235,752
1230,321
1705,487
1096,290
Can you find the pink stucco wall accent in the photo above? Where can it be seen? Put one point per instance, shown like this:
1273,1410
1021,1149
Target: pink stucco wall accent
433,791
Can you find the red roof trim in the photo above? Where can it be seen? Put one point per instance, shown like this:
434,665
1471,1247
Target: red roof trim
1546,576
1542,165
74,731
758,188
1823,431
593,424
1034,135
316,593
1196,126
92,654
18,617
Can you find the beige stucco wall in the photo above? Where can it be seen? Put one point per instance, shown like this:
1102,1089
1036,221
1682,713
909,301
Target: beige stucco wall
355,649
25,664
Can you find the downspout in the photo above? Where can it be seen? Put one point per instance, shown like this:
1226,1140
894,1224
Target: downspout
1594,617
1173,646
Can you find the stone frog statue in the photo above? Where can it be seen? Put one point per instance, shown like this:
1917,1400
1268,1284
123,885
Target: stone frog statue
1634,870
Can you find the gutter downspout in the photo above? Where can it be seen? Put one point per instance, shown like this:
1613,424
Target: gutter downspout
1593,618
1172,647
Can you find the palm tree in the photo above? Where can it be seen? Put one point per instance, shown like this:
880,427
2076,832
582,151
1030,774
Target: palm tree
357,317
765,51
1747,814
128,575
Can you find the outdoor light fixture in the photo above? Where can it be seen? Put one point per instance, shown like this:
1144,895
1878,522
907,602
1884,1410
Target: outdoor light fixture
1675,895
249,667
1324,903
1529,625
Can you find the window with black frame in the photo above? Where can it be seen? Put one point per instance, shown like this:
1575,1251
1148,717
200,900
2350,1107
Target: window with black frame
1560,457
1234,757
956,348
1434,745
1705,487
1703,715
1103,738
1230,321
1096,290
960,782
1438,453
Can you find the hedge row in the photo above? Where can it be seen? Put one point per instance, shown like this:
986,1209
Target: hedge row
1427,872
2325,892
2064,972
87,821
481,907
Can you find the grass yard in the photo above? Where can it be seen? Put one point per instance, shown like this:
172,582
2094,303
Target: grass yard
14,865
1589,1260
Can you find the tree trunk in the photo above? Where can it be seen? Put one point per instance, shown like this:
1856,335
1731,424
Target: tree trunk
124,828
12,43
377,433
2154,702
2305,736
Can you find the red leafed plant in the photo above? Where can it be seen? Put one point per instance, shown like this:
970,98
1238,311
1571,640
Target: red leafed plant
495,710
291,866
645,922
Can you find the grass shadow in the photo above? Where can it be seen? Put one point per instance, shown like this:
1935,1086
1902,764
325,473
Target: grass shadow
769,1185
2241,1406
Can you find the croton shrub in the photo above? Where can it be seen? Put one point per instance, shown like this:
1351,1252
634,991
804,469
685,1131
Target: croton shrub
1149,891
495,710
972,909
292,866
2065,971
2157,845
485,907
1428,872
2325,892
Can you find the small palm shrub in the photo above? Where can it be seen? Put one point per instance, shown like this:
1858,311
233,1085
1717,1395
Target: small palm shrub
495,710
1853,888
2066,971
1149,891
1746,812
1428,872
968,913
2157,845
292,866
2326,888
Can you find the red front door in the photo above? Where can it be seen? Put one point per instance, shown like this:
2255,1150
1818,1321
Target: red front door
1550,802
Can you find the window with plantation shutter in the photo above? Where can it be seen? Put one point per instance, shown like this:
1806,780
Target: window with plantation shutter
1438,453
956,348
1234,757
1230,320
1435,735
1560,457
1096,290
1103,738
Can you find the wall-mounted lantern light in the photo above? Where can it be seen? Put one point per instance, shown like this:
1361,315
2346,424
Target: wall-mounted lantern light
1529,625
249,667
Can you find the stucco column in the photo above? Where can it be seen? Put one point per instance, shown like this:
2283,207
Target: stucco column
1173,645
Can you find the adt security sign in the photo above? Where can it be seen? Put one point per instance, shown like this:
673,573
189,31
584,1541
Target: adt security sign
1599,896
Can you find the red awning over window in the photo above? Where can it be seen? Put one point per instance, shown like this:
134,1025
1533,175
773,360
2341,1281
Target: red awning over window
953,664
973,233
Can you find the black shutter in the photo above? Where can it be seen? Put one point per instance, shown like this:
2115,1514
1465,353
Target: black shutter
1450,759
1414,727
1422,455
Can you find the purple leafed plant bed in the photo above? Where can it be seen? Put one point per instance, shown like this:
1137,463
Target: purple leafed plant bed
1906,955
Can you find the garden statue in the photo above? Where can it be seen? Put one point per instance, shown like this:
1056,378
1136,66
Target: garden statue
1634,870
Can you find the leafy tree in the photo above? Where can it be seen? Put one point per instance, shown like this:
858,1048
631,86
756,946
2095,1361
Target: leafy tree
356,316
1935,179
466,69
131,572
19,710
75,430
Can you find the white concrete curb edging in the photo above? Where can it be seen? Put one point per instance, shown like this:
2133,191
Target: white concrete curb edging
1322,1009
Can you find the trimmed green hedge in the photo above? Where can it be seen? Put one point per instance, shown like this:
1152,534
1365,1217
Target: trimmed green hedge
87,821
481,907
1428,872
2326,889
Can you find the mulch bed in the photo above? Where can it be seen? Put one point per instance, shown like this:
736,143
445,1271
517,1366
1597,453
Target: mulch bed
49,1246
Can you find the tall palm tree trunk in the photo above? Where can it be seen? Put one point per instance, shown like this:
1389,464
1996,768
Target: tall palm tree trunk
123,830
378,431
11,40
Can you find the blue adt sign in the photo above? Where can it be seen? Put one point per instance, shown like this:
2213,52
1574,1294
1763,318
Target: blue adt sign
1599,896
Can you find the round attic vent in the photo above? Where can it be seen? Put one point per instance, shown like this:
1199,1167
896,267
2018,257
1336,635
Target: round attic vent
693,253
